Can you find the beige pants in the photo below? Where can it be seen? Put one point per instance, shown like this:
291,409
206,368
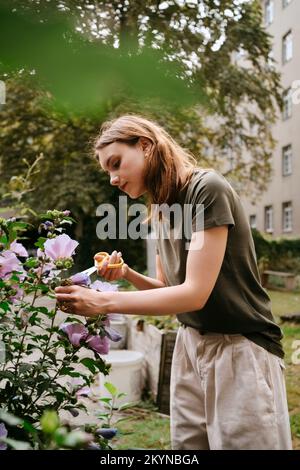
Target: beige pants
227,393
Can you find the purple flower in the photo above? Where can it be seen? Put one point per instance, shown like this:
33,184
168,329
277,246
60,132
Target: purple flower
18,249
3,433
8,263
107,433
81,279
76,332
66,213
112,334
104,286
60,247
98,344
47,225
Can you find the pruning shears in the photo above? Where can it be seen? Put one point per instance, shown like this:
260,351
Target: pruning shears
99,259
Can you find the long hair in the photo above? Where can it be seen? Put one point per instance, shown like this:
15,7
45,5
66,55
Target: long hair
168,167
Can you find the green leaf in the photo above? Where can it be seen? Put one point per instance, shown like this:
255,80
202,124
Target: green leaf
5,306
25,367
40,242
9,418
111,388
17,445
105,400
90,364
7,375
127,405
75,438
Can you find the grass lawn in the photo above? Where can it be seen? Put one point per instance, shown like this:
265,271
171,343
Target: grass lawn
287,302
148,429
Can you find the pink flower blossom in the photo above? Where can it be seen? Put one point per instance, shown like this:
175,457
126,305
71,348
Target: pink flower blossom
81,279
76,332
98,344
3,433
9,263
18,249
112,334
83,392
60,247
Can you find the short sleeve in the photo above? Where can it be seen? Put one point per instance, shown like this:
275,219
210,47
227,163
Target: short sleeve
212,202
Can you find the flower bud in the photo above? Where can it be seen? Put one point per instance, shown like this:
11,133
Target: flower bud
49,421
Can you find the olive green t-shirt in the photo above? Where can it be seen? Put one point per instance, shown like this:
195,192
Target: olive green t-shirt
238,304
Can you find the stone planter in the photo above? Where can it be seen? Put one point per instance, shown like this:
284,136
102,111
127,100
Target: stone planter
157,347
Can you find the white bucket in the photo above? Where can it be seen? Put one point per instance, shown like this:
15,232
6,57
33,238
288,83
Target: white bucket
119,323
125,374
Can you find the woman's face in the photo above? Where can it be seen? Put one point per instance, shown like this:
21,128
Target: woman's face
125,164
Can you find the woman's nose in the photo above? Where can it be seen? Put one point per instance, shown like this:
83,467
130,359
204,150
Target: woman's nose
114,180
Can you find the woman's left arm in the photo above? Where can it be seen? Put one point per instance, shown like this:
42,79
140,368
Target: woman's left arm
204,261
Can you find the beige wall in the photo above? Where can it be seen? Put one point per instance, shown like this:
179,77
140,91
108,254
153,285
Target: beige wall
284,188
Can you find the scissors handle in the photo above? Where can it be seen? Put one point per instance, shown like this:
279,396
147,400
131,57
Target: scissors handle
103,256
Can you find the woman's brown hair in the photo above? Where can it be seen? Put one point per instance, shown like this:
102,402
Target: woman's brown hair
168,167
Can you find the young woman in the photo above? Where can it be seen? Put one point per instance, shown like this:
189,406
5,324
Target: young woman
227,380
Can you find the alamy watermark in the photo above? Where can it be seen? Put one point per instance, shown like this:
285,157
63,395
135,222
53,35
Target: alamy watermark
296,354
2,352
167,222
296,92
2,92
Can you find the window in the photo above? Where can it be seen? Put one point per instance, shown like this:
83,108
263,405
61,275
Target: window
285,3
287,47
269,219
269,12
252,221
287,217
287,156
287,104
270,60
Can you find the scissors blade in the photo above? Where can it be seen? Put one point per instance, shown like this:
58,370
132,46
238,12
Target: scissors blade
89,271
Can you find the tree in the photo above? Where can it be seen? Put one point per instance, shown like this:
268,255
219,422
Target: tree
225,51
69,177
206,37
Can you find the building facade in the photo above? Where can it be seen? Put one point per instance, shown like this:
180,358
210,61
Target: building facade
277,212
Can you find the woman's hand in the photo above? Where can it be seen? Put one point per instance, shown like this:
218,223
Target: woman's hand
113,274
79,300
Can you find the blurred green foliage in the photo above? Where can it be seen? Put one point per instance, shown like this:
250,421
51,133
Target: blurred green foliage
81,74
282,254
69,66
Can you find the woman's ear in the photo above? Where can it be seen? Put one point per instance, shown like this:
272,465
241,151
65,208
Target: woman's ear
145,144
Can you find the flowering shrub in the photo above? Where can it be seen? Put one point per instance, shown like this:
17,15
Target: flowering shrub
44,363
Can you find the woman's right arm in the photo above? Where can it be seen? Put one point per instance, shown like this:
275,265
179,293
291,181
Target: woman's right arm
142,282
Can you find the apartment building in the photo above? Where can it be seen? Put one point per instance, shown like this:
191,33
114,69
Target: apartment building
277,212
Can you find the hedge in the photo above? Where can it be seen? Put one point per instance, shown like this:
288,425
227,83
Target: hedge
281,254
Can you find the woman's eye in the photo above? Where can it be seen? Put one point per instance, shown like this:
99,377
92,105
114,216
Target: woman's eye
116,164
